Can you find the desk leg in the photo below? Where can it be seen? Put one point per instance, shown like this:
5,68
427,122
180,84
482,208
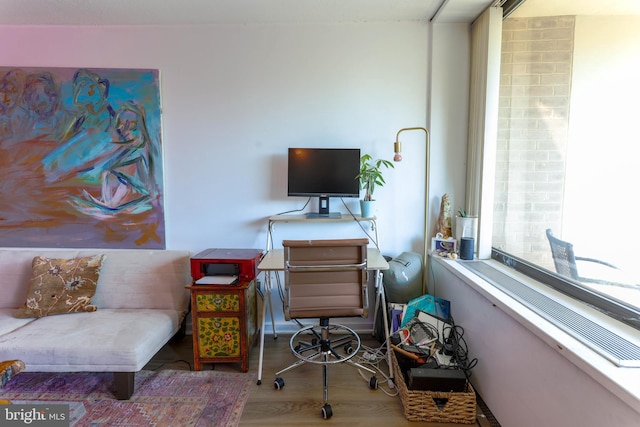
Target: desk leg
377,305
266,300
382,300
273,321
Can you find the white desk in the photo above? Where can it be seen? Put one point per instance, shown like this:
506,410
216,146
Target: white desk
273,261
302,219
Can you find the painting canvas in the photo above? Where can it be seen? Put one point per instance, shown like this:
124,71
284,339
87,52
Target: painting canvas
80,158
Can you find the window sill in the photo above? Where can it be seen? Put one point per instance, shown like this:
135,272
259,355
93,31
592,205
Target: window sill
621,381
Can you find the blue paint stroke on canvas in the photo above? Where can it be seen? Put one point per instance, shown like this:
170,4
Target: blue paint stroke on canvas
80,158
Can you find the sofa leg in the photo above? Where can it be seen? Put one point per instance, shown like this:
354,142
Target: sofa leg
124,382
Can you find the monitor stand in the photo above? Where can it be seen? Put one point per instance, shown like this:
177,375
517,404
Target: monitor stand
323,210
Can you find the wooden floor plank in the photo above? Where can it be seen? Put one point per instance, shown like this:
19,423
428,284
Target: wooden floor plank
299,403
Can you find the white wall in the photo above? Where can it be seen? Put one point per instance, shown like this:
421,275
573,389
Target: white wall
236,97
449,121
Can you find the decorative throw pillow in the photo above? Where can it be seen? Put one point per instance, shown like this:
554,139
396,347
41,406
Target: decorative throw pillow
61,286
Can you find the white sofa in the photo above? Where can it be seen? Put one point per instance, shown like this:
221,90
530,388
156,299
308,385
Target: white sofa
141,304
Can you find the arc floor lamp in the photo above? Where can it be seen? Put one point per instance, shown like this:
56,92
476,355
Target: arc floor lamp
397,148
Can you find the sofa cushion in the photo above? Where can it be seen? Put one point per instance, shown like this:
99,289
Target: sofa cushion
108,340
61,285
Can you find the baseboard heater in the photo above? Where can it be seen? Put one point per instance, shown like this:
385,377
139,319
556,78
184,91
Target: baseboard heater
611,346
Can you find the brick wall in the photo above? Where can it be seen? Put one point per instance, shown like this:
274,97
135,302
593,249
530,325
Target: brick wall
535,90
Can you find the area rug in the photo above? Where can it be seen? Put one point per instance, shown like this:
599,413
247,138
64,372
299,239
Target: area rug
164,398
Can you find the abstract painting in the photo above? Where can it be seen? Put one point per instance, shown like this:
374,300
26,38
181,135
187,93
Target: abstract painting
80,158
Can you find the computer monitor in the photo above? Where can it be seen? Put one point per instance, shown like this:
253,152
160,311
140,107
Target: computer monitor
323,173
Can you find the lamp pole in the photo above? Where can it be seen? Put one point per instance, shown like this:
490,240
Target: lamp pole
397,148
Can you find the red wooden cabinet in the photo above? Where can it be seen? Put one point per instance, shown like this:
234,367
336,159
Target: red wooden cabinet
224,314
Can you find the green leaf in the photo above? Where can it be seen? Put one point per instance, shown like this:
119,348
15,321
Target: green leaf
370,174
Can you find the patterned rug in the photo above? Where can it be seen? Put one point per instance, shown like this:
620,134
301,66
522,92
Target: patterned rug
162,398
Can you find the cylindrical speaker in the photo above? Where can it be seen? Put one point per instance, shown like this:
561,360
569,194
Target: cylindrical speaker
466,247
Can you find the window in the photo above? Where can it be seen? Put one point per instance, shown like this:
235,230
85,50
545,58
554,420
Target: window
568,149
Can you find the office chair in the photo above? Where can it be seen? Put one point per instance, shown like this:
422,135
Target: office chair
566,263
325,279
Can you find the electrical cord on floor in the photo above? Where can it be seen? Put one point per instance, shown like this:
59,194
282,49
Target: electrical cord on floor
371,358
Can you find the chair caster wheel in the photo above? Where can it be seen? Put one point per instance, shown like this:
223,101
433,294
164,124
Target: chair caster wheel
348,348
326,411
373,383
278,383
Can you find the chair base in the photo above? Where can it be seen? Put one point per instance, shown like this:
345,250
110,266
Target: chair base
325,344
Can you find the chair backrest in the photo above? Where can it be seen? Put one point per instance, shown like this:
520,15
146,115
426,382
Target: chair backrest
564,258
325,278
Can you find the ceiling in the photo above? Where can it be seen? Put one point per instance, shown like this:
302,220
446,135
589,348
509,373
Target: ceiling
203,12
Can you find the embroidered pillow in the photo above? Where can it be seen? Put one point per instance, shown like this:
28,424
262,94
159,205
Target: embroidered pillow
61,286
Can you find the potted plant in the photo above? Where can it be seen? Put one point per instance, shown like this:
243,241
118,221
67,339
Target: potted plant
370,176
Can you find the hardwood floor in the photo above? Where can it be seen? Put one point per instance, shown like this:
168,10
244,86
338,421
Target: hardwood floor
299,402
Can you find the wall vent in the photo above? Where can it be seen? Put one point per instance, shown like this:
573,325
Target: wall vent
613,347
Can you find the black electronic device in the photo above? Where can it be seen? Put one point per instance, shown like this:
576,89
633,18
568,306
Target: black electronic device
323,173
436,379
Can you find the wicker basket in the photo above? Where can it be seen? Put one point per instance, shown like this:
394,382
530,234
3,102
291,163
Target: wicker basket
421,405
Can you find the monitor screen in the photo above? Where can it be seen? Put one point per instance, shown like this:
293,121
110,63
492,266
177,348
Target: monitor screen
328,172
